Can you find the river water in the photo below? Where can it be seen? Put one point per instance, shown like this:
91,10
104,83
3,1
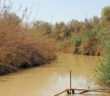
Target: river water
52,78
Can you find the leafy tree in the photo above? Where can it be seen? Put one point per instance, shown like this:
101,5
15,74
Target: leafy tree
42,27
106,15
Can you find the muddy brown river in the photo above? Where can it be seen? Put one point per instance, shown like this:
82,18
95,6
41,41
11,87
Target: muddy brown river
52,78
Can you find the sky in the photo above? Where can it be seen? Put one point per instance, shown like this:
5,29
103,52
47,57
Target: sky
61,10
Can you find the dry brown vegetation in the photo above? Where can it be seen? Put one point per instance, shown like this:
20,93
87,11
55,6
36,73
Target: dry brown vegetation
20,46
90,48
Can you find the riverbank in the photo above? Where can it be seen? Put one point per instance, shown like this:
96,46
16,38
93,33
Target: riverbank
36,59
85,48
6,69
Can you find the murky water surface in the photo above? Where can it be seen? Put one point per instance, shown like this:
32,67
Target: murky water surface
52,78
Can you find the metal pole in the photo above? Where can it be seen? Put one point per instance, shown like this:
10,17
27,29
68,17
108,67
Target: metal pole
70,84
70,79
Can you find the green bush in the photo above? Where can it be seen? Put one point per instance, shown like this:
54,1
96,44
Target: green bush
74,43
92,34
66,44
77,41
103,71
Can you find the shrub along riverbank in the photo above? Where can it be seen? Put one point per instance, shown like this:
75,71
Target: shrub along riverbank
78,46
20,45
